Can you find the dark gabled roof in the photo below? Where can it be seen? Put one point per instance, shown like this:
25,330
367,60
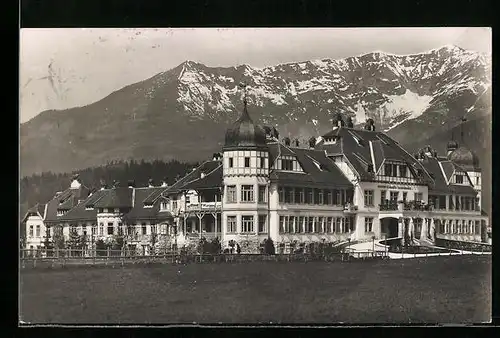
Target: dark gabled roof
448,168
355,144
37,209
80,212
211,180
277,149
439,183
120,197
328,175
206,167
139,212
66,200
154,193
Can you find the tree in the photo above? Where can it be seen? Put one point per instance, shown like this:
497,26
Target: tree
74,240
100,247
117,243
269,248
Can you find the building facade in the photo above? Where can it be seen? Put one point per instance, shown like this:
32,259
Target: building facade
351,184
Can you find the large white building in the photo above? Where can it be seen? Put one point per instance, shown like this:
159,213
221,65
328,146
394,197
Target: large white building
347,185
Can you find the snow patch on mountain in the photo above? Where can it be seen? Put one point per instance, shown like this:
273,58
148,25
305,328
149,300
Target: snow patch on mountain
410,104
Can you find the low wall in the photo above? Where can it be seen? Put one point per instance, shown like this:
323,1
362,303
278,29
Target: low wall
461,245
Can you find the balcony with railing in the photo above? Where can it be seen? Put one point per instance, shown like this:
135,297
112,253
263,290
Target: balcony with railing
204,206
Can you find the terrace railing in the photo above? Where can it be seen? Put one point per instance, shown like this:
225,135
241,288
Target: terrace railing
205,206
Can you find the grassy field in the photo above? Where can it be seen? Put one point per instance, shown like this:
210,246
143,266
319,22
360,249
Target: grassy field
437,290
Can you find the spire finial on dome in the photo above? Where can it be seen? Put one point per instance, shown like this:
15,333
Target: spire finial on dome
464,119
244,85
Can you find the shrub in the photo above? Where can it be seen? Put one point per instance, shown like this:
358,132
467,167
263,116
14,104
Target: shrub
269,247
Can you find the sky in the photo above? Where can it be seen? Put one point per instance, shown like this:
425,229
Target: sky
87,64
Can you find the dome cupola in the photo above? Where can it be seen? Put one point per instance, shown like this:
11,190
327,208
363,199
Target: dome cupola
465,158
244,134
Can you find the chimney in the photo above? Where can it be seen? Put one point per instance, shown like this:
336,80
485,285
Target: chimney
312,142
349,122
131,184
435,154
150,183
164,183
116,184
103,184
286,140
275,133
370,125
297,142
202,175
428,150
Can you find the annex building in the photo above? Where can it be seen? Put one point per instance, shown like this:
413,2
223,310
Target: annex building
347,185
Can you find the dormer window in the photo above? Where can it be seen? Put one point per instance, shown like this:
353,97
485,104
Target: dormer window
60,212
247,162
148,205
459,179
89,207
286,164
164,206
231,162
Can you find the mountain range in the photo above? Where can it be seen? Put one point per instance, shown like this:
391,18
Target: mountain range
182,113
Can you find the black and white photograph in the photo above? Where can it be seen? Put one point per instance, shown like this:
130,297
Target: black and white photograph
180,176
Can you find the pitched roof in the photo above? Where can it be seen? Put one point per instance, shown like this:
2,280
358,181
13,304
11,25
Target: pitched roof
206,168
37,209
355,144
66,200
142,196
319,170
153,193
80,211
120,197
211,180
440,181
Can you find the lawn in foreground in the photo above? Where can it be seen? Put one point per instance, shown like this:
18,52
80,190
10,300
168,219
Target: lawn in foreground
453,289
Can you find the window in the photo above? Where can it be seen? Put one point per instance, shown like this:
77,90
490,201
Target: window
321,197
328,225
393,196
144,228
262,223
441,202
320,227
37,234
247,193
477,180
286,164
120,229
231,224
299,226
459,179
247,162
174,205
289,196
101,229
302,196
419,196
457,203
288,224
247,224
338,221
31,231
477,228
309,196
110,228
310,224
368,224
390,170
231,162
231,194
282,224
405,196
383,196
164,205
262,162
368,198
329,198
47,232
262,194
403,171
281,194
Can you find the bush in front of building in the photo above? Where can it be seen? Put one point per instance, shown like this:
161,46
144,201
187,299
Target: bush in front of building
269,247
101,248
